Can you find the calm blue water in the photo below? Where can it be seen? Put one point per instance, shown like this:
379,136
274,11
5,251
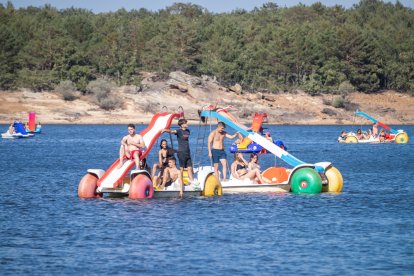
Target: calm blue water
47,229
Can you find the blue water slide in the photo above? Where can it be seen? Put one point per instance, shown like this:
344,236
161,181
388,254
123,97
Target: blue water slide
19,128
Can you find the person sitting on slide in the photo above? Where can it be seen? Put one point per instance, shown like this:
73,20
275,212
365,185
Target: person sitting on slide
131,146
170,175
239,170
164,153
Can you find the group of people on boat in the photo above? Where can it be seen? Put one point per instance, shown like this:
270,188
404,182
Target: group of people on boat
370,134
12,130
132,146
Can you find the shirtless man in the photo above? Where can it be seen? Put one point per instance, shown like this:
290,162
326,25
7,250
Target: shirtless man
131,146
216,148
171,174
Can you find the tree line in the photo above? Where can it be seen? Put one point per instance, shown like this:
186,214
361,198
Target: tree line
368,47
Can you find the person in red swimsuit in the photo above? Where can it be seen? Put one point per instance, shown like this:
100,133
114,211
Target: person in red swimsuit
131,146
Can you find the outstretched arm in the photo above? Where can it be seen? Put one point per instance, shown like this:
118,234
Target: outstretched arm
169,131
234,135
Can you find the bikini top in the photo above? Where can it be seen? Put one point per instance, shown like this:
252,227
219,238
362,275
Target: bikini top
170,153
240,167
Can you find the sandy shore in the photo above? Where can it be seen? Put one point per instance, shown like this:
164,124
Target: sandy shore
138,107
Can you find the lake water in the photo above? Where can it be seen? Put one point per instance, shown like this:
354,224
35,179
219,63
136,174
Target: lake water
47,229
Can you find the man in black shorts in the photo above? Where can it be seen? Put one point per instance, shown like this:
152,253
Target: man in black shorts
184,155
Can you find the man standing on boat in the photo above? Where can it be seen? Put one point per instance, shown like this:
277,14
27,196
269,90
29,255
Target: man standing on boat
131,146
216,148
183,153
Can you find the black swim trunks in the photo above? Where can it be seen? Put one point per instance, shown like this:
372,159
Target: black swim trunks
185,159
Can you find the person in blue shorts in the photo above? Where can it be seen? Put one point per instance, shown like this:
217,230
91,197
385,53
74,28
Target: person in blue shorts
216,148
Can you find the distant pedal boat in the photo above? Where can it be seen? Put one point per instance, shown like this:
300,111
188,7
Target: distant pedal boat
395,136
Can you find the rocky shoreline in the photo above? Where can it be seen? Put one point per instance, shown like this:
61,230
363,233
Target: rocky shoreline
191,93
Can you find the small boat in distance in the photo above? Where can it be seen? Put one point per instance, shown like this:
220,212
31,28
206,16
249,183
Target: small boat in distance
16,130
385,135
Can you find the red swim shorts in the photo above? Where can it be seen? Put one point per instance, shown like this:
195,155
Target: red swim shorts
133,152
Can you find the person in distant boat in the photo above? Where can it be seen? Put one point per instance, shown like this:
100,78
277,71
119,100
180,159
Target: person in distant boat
382,135
184,155
360,135
342,137
368,134
38,125
375,130
11,130
216,148
131,146
164,153
170,175
239,170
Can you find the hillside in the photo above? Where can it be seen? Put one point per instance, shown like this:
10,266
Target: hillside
191,93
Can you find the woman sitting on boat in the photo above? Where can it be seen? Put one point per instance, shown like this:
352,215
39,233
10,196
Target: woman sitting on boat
254,165
163,155
254,162
239,170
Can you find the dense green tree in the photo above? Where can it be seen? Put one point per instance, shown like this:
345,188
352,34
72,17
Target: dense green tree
315,48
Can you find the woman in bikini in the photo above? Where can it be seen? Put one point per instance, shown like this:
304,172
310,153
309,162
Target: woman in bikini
254,162
164,153
239,170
